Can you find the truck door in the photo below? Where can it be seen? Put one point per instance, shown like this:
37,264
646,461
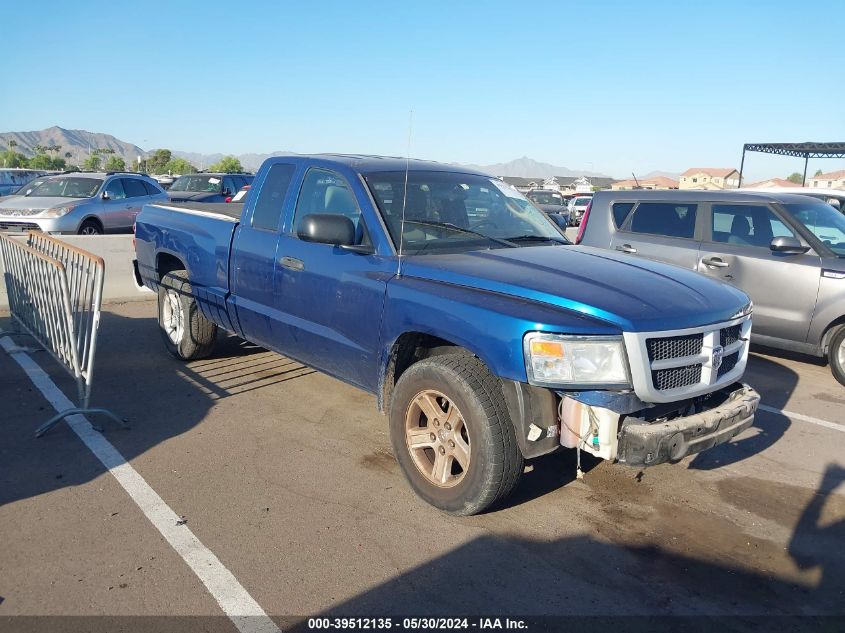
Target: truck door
663,231
253,260
331,298
783,287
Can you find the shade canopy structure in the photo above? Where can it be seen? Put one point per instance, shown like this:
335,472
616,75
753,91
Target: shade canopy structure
798,150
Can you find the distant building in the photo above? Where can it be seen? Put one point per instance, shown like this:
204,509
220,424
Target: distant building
658,182
772,182
564,184
709,178
832,180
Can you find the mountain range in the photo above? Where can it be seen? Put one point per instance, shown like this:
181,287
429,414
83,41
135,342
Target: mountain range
80,142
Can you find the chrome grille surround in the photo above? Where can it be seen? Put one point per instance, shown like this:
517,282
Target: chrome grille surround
667,366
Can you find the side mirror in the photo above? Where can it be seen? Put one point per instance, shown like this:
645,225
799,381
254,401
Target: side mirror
788,246
327,228
104,195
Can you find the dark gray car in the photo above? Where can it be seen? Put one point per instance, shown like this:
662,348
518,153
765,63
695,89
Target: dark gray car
786,251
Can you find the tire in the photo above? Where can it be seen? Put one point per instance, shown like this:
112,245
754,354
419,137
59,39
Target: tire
484,463
836,355
90,227
187,334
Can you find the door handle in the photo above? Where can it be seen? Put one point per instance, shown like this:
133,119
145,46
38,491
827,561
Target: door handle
715,262
626,248
292,263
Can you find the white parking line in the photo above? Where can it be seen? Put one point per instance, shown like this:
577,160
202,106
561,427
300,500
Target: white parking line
804,418
242,609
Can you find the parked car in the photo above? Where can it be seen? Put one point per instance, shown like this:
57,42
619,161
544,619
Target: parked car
552,203
207,187
786,251
12,179
26,189
488,341
578,207
834,197
241,195
83,203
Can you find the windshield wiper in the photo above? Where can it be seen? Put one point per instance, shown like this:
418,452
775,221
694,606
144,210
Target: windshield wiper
535,238
455,227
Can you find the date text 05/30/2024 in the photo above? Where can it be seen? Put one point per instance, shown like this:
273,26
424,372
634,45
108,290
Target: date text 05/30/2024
413,624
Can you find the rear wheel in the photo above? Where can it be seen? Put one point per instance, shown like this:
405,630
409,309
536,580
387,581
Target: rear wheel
187,334
836,355
452,435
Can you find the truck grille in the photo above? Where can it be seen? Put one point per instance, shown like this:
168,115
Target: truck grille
672,365
729,335
674,346
728,363
676,377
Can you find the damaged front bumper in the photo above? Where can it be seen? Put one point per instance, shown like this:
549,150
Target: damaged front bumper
717,418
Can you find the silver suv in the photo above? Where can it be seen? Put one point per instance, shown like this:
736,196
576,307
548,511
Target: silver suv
786,251
81,203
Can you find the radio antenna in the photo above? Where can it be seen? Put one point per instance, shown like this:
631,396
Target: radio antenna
405,193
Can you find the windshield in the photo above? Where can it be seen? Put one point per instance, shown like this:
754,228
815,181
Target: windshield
30,186
446,210
825,222
67,188
581,202
546,197
198,184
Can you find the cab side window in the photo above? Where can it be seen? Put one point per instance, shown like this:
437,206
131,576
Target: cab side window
747,225
326,191
271,198
114,189
669,219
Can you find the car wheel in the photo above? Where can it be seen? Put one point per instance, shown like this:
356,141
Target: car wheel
452,435
90,227
836,355
187,334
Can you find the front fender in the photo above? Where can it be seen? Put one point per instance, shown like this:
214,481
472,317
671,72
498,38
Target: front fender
488,324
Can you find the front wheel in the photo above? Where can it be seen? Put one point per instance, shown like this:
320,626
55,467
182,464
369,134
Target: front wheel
452,435
187,334
90,227
836,355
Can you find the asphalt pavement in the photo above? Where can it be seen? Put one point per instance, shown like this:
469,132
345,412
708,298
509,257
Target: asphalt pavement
287,477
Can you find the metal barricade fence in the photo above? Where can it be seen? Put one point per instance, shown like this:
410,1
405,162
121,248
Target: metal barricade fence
55,292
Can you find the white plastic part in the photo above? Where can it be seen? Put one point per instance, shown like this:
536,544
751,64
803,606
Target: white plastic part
594,429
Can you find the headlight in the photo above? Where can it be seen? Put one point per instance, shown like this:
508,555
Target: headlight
575,361
57,212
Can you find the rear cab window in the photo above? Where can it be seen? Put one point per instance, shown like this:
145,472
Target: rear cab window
621,211
271,199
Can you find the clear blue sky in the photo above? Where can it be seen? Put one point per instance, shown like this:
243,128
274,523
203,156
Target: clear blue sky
613,86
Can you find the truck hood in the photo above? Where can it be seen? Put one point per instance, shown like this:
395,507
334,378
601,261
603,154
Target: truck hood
191,196
636,295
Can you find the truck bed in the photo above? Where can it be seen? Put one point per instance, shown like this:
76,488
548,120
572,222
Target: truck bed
230,209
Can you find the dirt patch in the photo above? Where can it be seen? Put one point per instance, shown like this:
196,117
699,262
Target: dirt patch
380,460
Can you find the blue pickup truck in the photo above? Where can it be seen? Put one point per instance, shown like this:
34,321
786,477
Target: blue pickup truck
486,337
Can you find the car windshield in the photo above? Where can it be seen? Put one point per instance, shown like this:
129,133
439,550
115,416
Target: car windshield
198,184
546,197
581,202
454,211
825,222
30,186
67,188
